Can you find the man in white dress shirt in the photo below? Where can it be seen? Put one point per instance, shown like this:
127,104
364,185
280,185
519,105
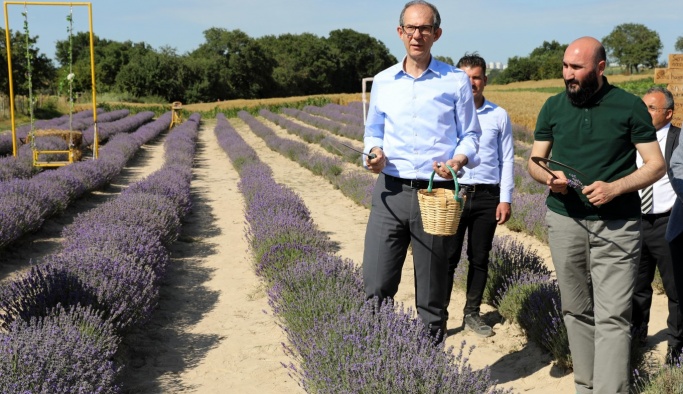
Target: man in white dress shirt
421,119
489,195
655,252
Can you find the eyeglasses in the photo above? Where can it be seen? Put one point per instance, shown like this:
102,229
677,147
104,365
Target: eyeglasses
425,30
653,108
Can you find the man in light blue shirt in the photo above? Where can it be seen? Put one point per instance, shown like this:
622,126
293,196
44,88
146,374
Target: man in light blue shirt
488,189
421,118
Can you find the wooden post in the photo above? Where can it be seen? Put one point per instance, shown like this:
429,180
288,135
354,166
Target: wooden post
673,76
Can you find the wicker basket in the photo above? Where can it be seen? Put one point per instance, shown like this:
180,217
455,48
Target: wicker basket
440,208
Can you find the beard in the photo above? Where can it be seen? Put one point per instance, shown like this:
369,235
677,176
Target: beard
584,91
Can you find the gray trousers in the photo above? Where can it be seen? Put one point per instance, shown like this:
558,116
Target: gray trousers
394,223
595,263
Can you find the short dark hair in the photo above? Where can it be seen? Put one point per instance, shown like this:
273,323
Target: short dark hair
668,97
472,60
437,17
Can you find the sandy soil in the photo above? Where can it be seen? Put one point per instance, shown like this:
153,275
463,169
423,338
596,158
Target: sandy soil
214,331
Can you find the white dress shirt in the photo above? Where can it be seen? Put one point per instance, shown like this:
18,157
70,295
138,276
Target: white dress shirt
496,152
663,196
417,121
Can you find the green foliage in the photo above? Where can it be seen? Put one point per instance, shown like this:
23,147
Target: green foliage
544,62
679,44
639,86
306,64
517,295
42,70
633,45
360,56
667,380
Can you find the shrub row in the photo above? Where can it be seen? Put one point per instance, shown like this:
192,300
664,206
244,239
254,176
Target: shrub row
357,185
64,318
23,130
340,342
314,135
26,203
22,166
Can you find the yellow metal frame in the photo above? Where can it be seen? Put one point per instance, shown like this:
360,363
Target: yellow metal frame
177,114
11,86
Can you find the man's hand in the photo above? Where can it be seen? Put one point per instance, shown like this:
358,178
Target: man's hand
377,164
503,212
559,184
600,193
455,163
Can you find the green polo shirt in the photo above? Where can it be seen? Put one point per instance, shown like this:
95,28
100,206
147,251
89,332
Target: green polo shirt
597,139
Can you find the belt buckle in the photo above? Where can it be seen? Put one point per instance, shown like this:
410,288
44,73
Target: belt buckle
415,183
470,188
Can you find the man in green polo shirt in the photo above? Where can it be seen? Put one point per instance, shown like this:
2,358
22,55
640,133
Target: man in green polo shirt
594,213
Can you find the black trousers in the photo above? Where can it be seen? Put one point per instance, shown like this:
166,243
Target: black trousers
393,224
478,220
676,249
655,253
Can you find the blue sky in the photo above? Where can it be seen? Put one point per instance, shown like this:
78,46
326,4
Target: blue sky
497,29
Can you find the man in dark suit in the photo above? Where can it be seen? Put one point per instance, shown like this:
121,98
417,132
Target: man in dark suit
655,253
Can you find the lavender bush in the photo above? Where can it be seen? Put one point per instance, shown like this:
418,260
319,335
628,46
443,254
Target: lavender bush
66,352
38,292
541,319
381,350
509,261
309,292
125,292
515,293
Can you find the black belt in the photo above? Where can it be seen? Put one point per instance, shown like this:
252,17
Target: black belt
655,216
422,183
480,187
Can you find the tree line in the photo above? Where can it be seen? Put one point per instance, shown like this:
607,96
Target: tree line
227,65
630,45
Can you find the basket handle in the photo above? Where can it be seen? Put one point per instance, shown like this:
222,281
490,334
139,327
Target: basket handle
455,179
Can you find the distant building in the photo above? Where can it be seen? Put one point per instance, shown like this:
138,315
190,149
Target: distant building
496,66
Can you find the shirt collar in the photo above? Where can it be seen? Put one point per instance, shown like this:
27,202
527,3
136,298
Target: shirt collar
661,133
433,67
486,106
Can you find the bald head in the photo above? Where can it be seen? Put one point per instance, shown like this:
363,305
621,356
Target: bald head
589,48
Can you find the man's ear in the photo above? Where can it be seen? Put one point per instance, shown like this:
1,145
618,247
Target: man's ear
601,67
437,34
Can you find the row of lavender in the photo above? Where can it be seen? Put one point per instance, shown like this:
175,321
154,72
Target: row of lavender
80,121
21,166
340,342
357,185
519,281
64,319
54,123
26,203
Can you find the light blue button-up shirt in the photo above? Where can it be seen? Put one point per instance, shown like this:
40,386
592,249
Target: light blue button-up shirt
496,152
417,121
